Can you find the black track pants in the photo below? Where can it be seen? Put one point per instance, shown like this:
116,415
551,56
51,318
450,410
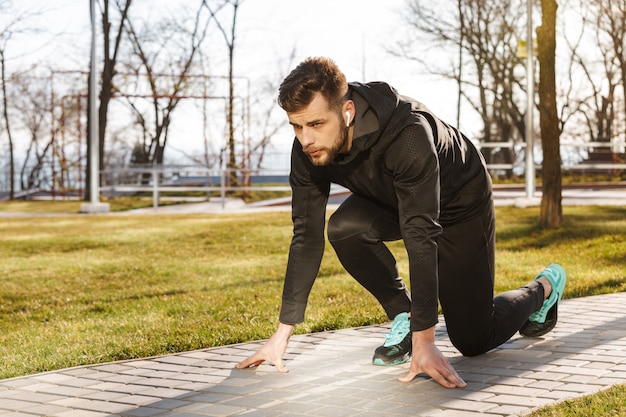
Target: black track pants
476,321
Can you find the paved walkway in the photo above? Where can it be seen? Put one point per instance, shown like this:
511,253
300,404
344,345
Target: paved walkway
612,195
602,195
331,375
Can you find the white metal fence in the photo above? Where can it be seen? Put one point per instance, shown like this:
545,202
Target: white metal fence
156,180
184,179
580,166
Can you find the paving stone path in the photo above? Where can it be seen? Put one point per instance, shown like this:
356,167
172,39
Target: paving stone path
331,375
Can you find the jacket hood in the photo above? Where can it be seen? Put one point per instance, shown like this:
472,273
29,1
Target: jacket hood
381,114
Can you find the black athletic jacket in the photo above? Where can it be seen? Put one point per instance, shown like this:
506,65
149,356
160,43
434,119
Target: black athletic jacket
404,157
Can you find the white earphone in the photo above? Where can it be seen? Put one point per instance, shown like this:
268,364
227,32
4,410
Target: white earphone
348,119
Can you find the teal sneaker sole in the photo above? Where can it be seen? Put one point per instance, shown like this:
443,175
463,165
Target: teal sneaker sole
532,329
397,361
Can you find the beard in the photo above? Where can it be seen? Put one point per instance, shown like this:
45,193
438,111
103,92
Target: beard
325,156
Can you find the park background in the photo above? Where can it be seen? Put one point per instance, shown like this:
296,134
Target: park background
68,284
465,60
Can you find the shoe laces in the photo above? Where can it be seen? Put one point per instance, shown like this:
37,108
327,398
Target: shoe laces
400,327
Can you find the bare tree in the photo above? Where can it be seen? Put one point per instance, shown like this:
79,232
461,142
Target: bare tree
209,157
15,25
594,112
485,34
492,83
602,79
229,35
7,125
267,125
50,123
610,19
176,47
33,114
551,214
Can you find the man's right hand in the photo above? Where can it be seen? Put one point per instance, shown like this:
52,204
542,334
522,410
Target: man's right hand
272,351
426,358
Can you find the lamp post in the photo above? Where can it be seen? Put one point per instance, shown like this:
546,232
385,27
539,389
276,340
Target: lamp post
530,95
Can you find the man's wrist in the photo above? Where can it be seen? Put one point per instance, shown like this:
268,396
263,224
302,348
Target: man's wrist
426,336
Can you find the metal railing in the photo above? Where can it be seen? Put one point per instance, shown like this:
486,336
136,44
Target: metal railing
609,166
182,179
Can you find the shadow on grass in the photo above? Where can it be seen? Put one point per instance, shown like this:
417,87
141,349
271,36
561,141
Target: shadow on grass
578,223
594,223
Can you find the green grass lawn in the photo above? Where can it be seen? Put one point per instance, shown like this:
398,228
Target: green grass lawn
79,289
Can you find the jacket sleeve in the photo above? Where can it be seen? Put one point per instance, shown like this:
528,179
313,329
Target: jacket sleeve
412,159
309,199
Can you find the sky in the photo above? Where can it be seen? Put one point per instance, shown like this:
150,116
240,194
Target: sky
354,33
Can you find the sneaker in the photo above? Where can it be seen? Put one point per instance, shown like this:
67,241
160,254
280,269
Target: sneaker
543,320
398,344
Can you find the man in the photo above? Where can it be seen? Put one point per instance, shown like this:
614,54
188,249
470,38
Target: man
413,177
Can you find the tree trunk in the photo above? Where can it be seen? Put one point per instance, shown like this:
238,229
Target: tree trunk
551,215
232,158
108,73
8,128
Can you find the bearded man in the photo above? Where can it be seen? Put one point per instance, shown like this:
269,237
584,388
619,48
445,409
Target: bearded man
414,178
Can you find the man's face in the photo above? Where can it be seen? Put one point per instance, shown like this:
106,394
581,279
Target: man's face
321,132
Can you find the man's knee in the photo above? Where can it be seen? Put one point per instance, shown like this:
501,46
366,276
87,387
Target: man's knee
470,349
339,227
467,344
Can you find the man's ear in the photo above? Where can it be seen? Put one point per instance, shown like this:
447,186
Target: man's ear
349,111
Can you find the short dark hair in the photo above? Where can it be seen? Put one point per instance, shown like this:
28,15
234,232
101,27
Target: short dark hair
313,75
